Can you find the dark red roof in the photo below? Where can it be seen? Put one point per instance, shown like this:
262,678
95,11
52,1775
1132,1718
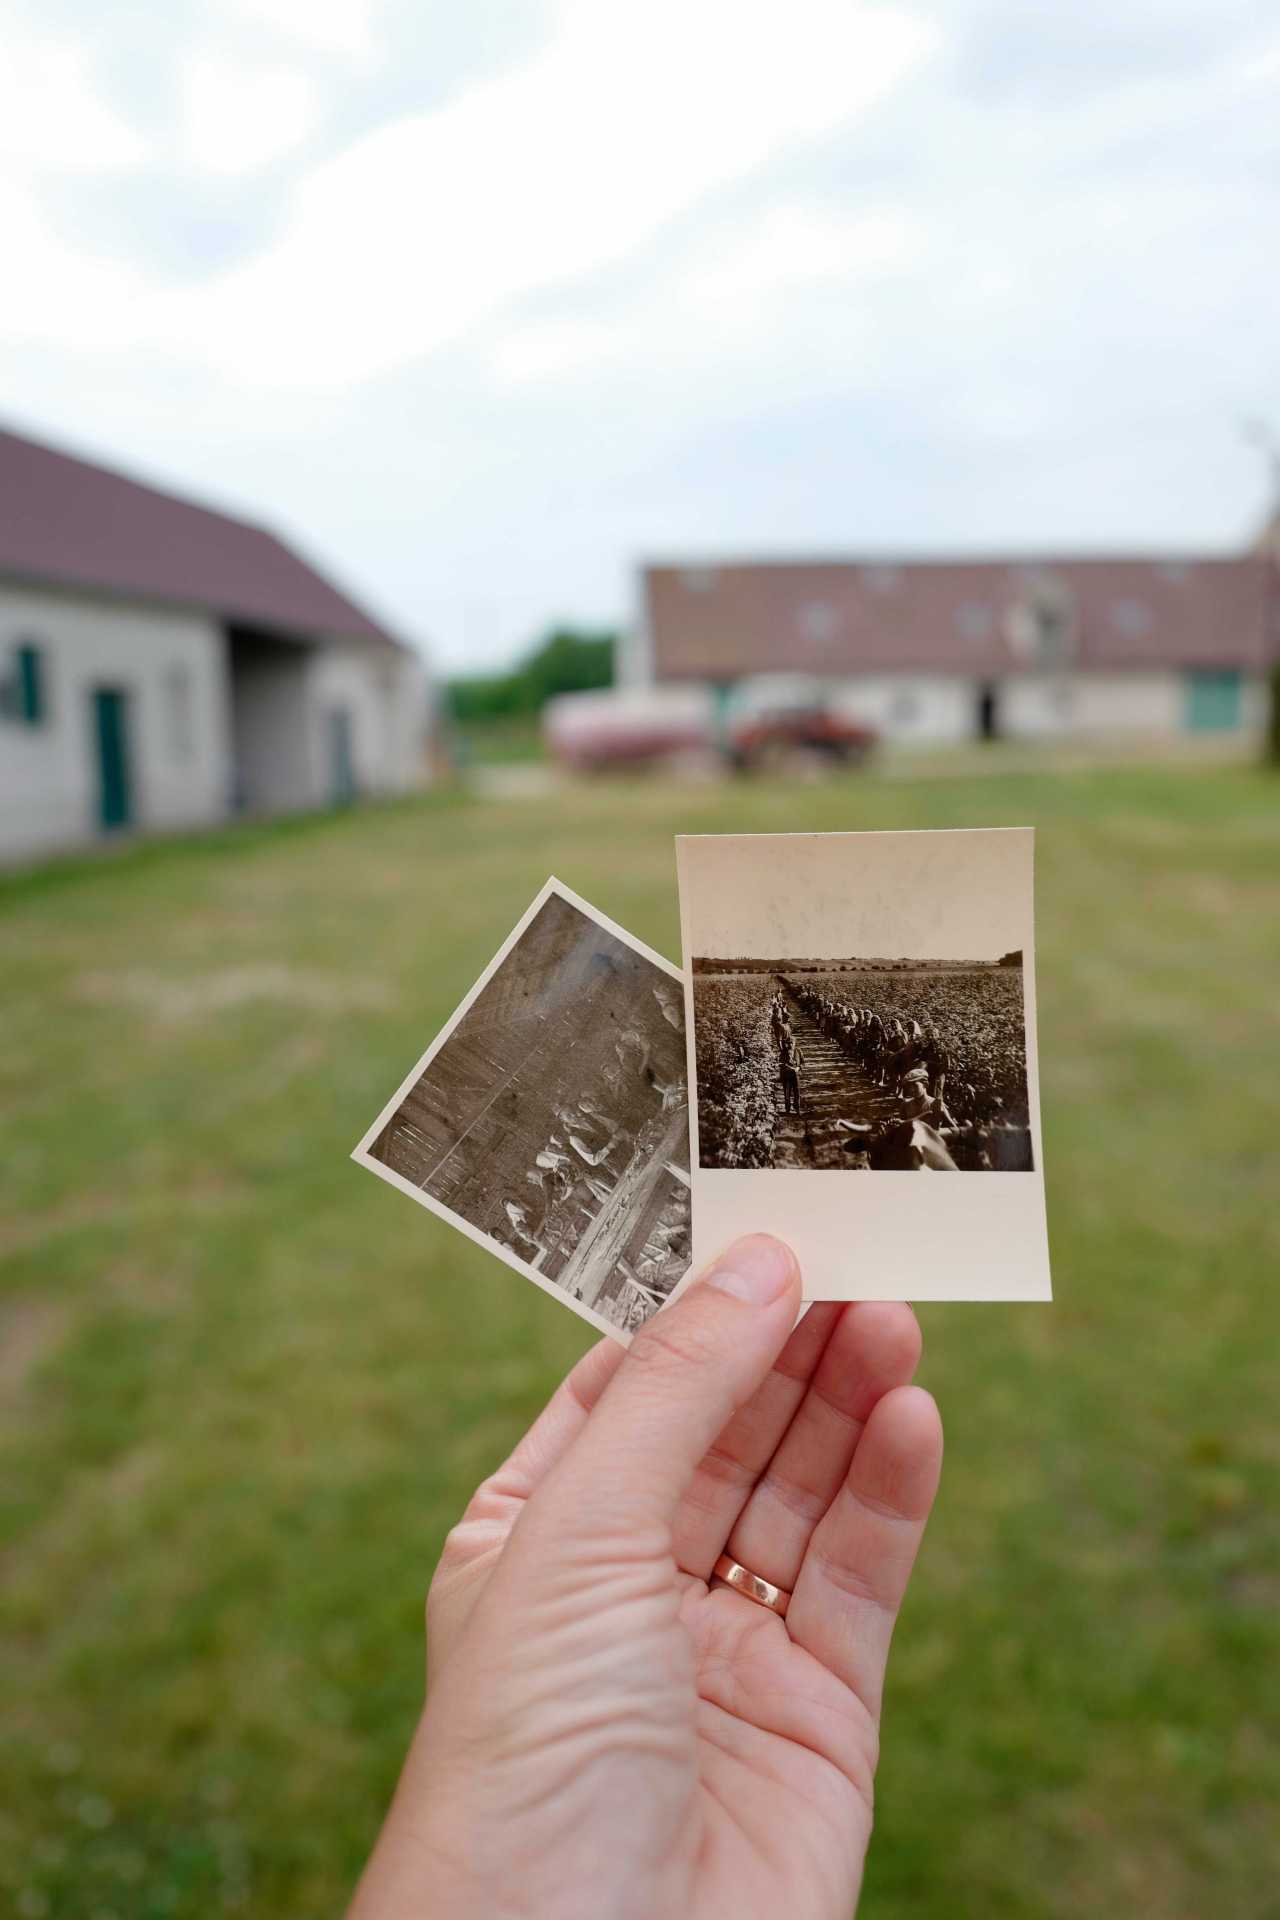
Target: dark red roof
68,522
708,621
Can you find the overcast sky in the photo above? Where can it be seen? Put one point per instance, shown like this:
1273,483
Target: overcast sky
481,301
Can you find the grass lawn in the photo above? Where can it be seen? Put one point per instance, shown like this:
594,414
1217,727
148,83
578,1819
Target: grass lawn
514,741
245,1388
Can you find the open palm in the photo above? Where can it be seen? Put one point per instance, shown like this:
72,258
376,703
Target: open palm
606,1734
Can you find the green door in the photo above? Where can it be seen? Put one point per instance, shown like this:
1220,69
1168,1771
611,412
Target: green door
342,773
110,730
1212,699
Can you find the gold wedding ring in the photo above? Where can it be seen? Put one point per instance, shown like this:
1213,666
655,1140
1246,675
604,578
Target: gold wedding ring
751,1586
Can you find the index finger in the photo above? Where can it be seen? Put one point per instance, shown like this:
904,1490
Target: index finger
688,1369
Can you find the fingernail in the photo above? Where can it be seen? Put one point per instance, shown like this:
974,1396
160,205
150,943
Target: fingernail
757,1269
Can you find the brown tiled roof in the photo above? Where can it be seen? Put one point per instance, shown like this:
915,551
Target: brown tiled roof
710,621
70,523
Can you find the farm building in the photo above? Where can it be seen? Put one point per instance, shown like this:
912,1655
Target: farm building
949,650
163,665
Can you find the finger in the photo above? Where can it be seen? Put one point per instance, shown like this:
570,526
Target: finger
875,1348
723,1479
855,1573
559,1423
687,1370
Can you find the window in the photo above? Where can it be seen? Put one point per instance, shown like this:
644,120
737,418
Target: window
1130,616
1052,628
818,621
881,579
1041,623
974,620
178,726
699,579
23,692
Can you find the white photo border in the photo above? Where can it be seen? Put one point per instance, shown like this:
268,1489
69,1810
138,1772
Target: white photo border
1003,1213
364,1158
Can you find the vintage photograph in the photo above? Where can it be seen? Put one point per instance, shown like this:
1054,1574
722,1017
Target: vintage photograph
860,1062
549,1120
864,1004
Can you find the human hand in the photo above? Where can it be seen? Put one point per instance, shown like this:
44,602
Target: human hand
608,1735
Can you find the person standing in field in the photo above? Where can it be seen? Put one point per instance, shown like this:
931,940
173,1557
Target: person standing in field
791,1062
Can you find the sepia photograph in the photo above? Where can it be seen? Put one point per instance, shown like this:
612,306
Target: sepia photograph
863,1004
549,1120
862,1063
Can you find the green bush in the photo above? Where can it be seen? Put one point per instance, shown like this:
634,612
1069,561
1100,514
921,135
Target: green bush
566,661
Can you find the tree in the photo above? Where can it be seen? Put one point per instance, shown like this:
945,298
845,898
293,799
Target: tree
566,660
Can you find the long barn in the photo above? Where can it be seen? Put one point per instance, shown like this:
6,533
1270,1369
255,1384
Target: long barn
959,649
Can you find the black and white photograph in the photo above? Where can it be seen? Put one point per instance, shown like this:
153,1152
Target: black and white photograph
860,1062
549,1120
864,1004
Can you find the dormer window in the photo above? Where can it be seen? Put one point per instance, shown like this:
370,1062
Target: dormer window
881,579
818,621
1041,624
1052,631
1130,616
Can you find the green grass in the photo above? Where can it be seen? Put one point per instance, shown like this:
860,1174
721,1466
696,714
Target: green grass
244,1388
513,741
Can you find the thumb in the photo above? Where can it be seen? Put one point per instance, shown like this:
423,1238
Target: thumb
687,1371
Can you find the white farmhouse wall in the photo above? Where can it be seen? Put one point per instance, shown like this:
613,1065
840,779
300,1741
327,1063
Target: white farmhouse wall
937,708
1035,706
1255,704
911,706
180,773
1031,706
1152,703
385,694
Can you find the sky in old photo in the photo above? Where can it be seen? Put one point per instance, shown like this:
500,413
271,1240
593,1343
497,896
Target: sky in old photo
966,894
481,303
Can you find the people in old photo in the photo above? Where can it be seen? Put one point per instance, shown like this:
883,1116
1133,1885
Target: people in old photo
792,1060
554,1117
863,1063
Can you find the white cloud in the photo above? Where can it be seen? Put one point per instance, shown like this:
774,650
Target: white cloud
694,275
426,229
792,246
51,117
331,27
552,349
728,303
238,115
567,165
61,295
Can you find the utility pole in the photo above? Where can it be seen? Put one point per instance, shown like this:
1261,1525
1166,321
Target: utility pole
1262,435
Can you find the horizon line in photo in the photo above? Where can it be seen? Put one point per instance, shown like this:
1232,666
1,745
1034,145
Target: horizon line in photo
847,963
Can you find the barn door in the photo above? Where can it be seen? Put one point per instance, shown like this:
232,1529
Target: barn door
342,772
111,739
1212,699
